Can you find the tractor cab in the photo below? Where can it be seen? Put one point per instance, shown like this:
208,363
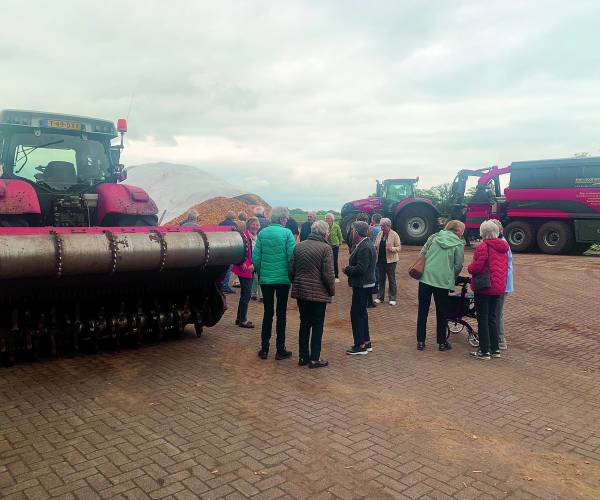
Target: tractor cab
391,191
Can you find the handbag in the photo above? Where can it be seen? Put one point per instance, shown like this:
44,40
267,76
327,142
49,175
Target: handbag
483,280
418,268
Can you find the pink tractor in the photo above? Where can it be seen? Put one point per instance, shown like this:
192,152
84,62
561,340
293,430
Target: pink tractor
82,261
415,219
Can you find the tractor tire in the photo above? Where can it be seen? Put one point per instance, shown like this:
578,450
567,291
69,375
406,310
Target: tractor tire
415,225
519,235
135,220
555,237
346,227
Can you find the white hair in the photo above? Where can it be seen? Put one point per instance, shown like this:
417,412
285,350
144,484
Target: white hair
385,222
312,212
329,214
259,210
279,213
489,230
320,227
192,215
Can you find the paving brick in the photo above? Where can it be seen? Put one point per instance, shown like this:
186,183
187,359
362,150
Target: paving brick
204,418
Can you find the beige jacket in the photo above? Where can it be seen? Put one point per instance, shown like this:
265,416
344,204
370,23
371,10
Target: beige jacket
393,246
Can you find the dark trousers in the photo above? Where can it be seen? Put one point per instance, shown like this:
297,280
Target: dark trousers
387,271
312,317
270,292
336,269
440,295
487,321
245,293
359,316
227,279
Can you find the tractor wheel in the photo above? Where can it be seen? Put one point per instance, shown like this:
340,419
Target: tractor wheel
555,237
416,224
135,220
519,235
347,227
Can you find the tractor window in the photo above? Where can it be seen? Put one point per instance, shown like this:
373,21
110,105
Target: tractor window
397,191
58,161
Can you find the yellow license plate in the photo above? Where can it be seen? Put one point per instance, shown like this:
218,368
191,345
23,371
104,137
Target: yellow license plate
63,124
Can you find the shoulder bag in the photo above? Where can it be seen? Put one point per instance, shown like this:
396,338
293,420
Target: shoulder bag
418,268
483,280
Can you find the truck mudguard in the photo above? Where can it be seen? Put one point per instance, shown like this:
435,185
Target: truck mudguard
123,199
18,197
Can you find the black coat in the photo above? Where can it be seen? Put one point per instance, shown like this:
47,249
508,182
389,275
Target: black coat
305,230
361,267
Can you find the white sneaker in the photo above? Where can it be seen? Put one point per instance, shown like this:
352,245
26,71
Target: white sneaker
377,301
337,280
392,302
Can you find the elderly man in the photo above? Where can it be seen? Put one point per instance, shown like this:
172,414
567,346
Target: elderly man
191,219
388,249
272,254
313,285
311,217
259,213
335,240
361,277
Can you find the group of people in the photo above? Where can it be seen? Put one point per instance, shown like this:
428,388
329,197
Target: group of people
307,263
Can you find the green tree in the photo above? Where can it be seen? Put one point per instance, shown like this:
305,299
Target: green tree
440,195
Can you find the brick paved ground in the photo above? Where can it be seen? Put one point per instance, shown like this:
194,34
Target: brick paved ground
206,418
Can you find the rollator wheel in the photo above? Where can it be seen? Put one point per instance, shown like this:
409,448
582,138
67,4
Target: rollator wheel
473,339
455,327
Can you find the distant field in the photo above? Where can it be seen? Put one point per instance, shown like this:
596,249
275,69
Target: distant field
300,215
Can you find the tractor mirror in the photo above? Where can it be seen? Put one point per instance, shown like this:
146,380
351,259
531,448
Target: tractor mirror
121,173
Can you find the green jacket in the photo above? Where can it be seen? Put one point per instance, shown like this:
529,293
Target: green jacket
272,254
444,259
335,235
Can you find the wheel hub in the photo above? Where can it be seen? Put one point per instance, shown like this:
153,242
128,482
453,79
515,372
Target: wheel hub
416,227
551,238
516,237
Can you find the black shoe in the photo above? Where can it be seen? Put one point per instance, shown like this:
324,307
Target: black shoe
368,346
262,354
357,350
318,364
370,306
446,346
302,361
421,346
283,355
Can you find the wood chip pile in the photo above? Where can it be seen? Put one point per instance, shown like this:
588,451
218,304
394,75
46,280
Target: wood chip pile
213,211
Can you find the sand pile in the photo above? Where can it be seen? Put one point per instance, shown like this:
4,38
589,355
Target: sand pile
213,211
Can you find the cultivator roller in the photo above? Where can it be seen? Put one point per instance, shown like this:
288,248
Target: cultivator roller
82,289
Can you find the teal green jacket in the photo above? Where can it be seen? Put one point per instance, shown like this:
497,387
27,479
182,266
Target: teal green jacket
335,235
444,259
272,254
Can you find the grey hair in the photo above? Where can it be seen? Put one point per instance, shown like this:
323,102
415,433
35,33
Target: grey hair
489,230
192,215
361,227
330,214
320,227
385,222
498,223
313,212
279,213
259,210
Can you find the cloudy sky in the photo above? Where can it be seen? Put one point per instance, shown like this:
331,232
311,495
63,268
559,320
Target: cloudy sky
307,103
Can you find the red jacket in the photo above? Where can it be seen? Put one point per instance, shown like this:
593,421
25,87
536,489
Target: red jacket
240,270
497,250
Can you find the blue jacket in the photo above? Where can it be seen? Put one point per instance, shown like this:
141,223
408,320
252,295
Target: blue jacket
509,276
272,254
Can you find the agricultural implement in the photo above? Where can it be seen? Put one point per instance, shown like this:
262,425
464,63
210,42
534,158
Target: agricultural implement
83,264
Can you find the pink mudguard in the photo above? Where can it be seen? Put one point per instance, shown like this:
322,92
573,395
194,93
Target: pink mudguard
18,197
123,199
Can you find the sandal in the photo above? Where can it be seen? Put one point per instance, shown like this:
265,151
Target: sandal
246,324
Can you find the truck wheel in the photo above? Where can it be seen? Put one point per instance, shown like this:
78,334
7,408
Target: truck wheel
415,225
347,227
555,237
519,235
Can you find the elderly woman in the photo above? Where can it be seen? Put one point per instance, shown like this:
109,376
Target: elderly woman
272,255
388,246
245,272
313,285
489,269
335,240
444,256
191,219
